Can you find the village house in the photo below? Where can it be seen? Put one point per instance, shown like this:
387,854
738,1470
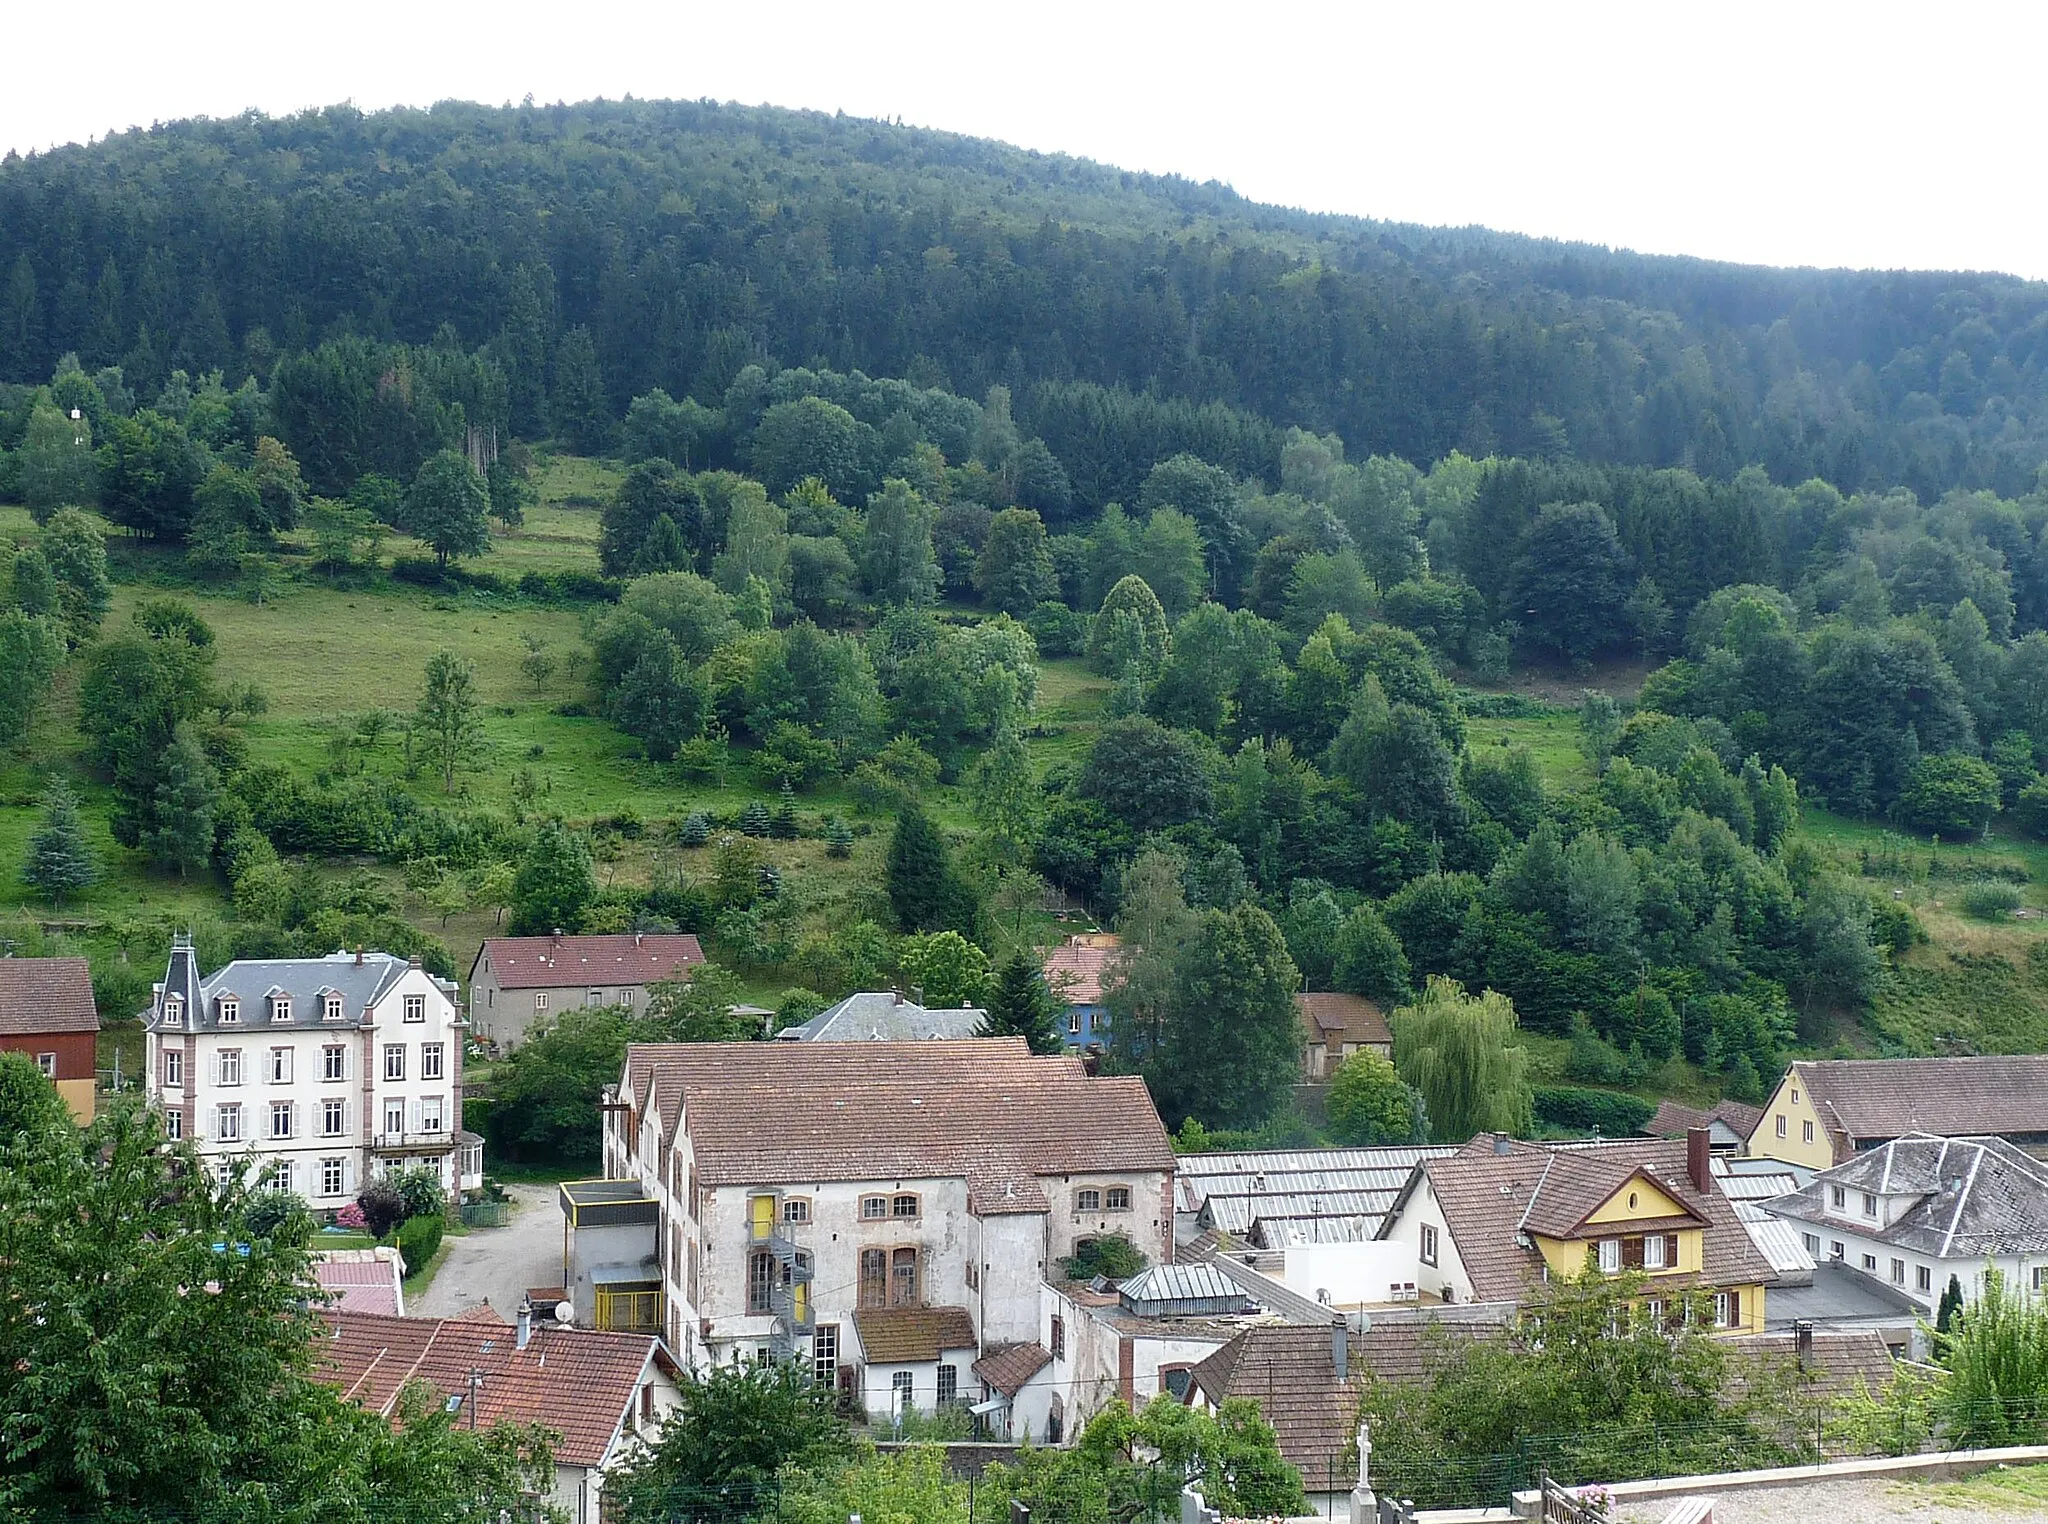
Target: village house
1919,1209
601,1394
1276,1198
1075,972
518,981
885,1210
1336,1026
328,1071
1497,1219
1825,1111
47,1012
886,1016
1728,1123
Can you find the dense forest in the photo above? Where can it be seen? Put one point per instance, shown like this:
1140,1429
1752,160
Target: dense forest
668,245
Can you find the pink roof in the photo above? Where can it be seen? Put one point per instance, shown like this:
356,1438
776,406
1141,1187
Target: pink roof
527,963
360,1280
1074,971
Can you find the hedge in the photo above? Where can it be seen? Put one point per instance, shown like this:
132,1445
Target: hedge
1578,1109
418,1238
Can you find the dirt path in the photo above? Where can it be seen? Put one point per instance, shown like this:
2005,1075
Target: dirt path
1874,1501
500,1263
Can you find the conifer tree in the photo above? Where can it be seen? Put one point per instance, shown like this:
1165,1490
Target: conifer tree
782,824
924,891
1020,1005
695,829
179,833
838,838
59,861
754,819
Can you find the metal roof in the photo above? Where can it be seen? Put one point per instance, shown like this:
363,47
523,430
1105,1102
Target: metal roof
1293,1232
1236,1214
1181,1283
1776,1239
1264,1160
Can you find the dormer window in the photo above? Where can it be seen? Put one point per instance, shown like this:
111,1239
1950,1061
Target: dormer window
330,1007
174,1011
1838,1198
1869,1205
280,1008
230,1010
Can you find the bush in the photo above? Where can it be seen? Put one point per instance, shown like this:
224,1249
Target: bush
381,1206
1610,1113
1112,1255
1058,630
418,1238
1990,900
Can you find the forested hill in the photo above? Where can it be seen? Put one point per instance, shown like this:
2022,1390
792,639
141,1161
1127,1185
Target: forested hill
692,239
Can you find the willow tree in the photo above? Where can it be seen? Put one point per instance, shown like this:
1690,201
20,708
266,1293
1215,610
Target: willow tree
1462,1052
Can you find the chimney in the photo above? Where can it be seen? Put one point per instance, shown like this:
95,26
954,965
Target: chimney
556,936
413,961
1340,1349
636,939
1502,1143
895,996
524,1331
359,955
1698,1150
1802,1341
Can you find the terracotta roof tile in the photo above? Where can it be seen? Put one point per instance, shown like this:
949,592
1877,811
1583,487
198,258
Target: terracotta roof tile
912,1335
1849,1363
1671,1120
360,1280
524,963
1348,1018
980,1108
1007,1368
1871,1100
44,995
579,1383
1076,971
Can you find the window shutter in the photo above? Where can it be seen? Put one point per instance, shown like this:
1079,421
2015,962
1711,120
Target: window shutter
1734,1309
419,1115
1632,1254
1670,1251
213,1068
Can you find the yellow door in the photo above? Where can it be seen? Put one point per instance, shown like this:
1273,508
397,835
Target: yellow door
764,1216
803,1302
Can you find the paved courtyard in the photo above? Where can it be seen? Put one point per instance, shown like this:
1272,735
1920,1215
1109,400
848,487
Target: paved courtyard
499,1264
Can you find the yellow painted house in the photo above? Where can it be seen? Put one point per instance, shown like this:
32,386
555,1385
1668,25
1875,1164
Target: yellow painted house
1824,1112
1497,1219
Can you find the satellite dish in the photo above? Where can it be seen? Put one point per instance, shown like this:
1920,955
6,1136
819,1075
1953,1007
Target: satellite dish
565,1313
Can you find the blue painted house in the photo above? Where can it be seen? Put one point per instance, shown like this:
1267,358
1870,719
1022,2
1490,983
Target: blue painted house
1075,971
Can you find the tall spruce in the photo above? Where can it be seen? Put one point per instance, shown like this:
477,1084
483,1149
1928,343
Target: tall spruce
1020,1005
59,860
924,891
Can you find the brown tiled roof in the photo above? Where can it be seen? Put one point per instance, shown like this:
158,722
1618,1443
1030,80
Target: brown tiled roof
1348,1018
1074,971
984,1109
1486,1196
1874,1099
1008,1368
525,963
1289,1371
1671,1120
579,1383
1849,1363
39,996
911,1335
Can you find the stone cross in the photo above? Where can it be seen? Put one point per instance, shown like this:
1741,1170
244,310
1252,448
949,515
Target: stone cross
1364,1456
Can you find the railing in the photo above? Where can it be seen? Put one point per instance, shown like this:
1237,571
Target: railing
486,1214
1562,1506
426,1137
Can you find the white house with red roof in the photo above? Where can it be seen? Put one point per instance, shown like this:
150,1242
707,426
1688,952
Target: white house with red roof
518,981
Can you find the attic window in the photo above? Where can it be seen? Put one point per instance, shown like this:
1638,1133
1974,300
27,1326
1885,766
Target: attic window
1631,1201
174,1011
330,1008
280,1008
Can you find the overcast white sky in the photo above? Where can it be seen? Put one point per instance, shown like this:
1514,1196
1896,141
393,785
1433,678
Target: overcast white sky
1785,133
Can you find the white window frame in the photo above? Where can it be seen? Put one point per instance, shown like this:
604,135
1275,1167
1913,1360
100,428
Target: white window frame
394,1109
1806,1132
1610,1255
1653,1252
1724,1309
47,1062
432,1113
174,1124
174,1067
540,1002
333,1063
1088,1200
1111,1201
332,1008
1427,1251
230,1011
333,1118
174,1011
1782,1128
1869,1205
281,1110
903,1392
825,1355
281,1008
415,1007
394,1062
231,1066
333,1176
280,1066
227,1122
432,1058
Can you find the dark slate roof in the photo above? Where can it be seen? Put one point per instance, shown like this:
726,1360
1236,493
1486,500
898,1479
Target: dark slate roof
885,1016
304,980
39,996
1870,1100
1971,1197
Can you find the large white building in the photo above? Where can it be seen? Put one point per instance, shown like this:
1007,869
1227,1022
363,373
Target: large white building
333,1069
886,1210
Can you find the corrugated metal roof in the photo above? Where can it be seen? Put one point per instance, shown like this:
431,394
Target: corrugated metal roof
1757,1187
1776,1239
1236,1214
1261,1160
1293,1232
1181,1283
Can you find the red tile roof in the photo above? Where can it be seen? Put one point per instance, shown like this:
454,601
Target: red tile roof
1074,971
526,963
912,1335
1872,1100
1009,1367
579,1383
360,1280
39,996
1671,1120
1347,1018
984,1109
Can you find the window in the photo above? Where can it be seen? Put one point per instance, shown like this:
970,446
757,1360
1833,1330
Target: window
949,1385
1073,1021
973,1276
285,1177
1055,1422
334,1063
903,1278
1653,1252
227,1124
1727,1309
394,1061
174,1068
902,1384
874,1277
1869,1205
415,1007
1870,1263
592,998
825,1354
761,1280
1118,1198
430,1114
903,1206
1837,1197
1087,1201
394,1116
280,1119
1806,1132
431,1057
333,1118
2041,1277
174,1011
330,1007
230,1011
796,1209
1610,1254
1175,1379
1836,1249
1899,1273
280,1008
1059,1337
1795,1095
1781,1127
174,1125
1811,1242
872,1207
1923,1278
1428,1251
231,1066
280,1066
47,1062
540,1001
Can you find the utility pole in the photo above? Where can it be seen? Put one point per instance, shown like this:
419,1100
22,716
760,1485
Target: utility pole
476,1382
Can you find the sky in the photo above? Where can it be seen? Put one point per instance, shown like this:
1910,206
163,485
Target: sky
1795,132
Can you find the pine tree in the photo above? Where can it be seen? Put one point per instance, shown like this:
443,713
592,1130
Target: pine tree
695,829
179,833
1950,1308
838,838
782,825
754,819
1020,1005
59,861
924,891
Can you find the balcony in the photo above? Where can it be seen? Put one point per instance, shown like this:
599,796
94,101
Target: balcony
436,1141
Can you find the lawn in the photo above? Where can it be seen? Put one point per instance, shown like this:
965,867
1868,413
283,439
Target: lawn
2001,1489
1552,739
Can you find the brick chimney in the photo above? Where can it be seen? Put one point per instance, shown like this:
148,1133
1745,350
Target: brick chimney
1802,1341
359,955
1502,1143
1698,1152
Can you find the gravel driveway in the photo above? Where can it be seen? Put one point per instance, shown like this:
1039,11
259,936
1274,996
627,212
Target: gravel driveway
499,1264
1844,1502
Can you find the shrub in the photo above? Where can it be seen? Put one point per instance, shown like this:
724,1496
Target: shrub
273,1210
694,831
1113,1256
1608,1112
418,1238
419,1189
381,1206
1990,900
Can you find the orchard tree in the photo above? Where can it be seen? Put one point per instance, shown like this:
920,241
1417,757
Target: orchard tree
446,507
448,722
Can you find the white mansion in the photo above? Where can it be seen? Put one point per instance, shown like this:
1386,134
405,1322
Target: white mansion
332,1069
